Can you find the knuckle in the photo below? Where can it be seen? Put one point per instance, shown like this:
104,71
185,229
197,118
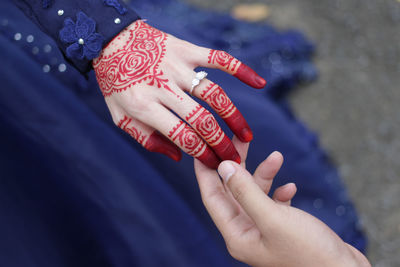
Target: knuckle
138,103
181,46
137,97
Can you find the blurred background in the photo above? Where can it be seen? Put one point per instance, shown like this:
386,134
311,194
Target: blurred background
354,105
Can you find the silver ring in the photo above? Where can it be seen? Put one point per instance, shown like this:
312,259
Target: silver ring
196,81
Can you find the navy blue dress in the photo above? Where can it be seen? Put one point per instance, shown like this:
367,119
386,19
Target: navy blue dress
77,191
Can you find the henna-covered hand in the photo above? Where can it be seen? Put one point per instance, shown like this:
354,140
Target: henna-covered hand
144,74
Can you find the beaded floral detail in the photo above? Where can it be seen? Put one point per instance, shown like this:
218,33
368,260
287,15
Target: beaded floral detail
117,5
46,3
84,41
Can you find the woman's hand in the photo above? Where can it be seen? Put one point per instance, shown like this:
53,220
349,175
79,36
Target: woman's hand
144,73
261,231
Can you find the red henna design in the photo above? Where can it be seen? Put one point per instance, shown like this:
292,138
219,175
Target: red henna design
187,139
192,144
219,101
250,77
209,159
215,96
223,59
207,126
154,143
239,70
159,143
125,124
226,150
138,60
237,123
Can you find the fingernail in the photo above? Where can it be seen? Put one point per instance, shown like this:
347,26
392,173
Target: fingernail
226,170
260,81
274,154
246,135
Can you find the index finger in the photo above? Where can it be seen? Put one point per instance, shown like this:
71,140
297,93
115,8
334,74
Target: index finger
246,192
218,59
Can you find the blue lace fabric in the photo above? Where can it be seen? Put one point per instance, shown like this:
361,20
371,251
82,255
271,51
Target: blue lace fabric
83,30
77,191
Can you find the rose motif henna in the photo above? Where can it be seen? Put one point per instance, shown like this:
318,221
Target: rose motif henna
118,68
241,71
206,125
223,59
125,124
188,139
193,145
215,96
154,141
218,100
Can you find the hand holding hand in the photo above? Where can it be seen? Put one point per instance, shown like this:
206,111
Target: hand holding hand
144,73
261,231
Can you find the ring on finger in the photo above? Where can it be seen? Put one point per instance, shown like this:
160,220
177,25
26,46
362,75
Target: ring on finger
196,81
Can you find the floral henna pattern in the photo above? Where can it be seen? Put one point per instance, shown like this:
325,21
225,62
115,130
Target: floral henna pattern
192,144
215,96
118,68
154,142
187,139
236,68
206,125
126,125
223,59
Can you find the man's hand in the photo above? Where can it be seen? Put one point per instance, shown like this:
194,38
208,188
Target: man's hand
261,231
144,75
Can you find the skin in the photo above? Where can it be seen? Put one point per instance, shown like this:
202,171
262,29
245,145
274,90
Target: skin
145,74
263,231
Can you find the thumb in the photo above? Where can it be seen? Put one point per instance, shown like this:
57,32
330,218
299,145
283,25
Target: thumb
247,193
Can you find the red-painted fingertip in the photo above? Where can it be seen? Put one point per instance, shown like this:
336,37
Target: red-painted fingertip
246,135
226,150
209,159
250,77
260,82
176,155
237,159
160,144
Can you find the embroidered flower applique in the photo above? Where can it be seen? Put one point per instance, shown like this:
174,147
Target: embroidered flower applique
117,5
84,41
